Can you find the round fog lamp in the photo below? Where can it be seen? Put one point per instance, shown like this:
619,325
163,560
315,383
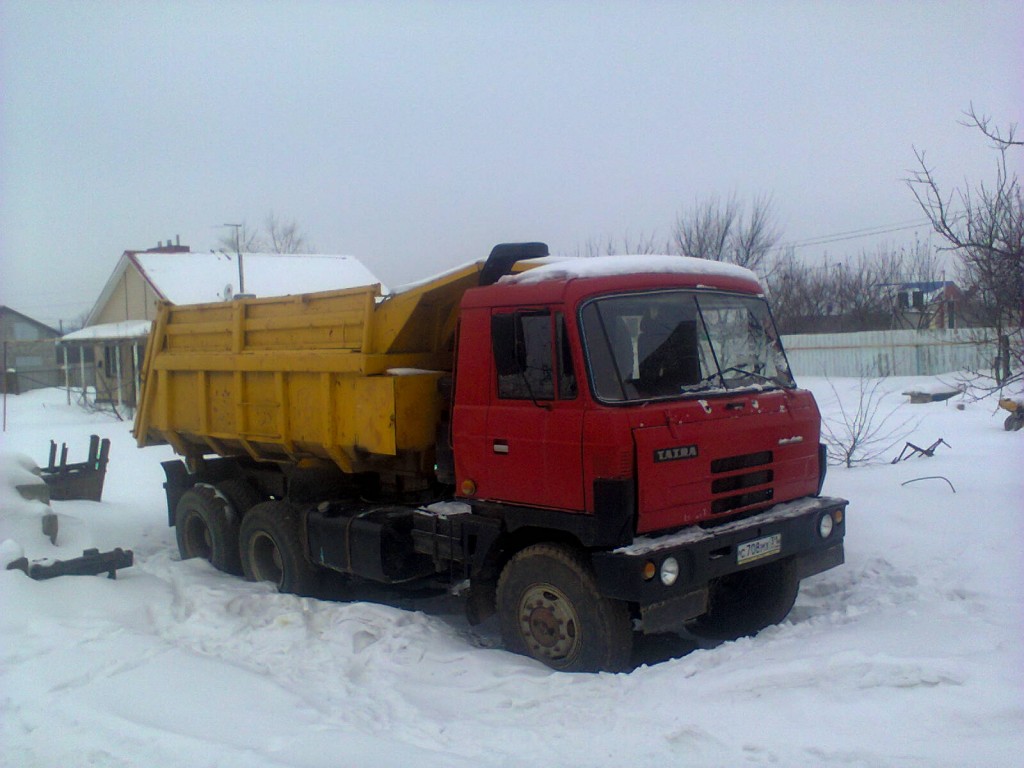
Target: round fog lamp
825,526
669,571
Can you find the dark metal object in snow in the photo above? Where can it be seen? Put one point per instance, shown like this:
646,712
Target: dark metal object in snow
931,477
932,397
910,450
1015,420
77,481
91,563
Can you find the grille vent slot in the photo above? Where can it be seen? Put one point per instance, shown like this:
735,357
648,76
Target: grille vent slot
730,503
747,460
739,482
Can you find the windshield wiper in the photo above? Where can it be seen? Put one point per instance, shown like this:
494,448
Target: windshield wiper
720,375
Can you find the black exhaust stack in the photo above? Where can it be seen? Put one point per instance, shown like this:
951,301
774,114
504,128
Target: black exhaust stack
504,255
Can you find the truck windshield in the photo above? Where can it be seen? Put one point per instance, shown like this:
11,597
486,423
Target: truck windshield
674,343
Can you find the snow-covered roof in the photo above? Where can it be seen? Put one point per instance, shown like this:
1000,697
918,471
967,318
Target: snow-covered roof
193,278
562,268
126,329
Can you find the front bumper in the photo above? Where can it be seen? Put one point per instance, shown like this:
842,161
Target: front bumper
707,554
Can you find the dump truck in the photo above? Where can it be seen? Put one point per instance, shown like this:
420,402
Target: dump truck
590,448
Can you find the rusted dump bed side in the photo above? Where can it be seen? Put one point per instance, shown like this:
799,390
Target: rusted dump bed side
348,376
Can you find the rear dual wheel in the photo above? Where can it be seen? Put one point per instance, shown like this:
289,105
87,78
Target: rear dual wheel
272,550
206,526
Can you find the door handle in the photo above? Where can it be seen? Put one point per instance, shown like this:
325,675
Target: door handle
501,446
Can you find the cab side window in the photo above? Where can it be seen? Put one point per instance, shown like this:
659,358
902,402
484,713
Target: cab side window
532,356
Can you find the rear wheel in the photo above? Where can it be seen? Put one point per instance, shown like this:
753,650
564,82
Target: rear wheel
240,494
744,603
549,608
271,547
206,526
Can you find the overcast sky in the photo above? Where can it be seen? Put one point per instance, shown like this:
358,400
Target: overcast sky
417,135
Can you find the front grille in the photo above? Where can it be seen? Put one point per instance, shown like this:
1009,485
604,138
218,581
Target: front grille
739,482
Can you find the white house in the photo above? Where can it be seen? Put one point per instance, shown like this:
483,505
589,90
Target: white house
118,324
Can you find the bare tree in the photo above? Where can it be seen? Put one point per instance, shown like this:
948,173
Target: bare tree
862,432
833,297
636,246
984,226
862,288
856,294
284,236
984,124
797,291
276,236
241,239
918,263
722,231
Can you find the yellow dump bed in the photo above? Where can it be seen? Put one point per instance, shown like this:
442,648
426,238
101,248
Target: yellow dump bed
347,376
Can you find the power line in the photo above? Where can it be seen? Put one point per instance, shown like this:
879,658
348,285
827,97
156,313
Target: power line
856,234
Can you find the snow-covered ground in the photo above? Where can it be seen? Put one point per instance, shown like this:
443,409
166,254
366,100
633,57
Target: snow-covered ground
911,654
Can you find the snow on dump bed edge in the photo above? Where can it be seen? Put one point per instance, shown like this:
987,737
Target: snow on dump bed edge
565,268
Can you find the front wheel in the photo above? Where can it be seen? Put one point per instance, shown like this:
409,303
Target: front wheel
271,548
744,603
549,608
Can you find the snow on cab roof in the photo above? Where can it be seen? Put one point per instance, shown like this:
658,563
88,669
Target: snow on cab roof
565,268
195,278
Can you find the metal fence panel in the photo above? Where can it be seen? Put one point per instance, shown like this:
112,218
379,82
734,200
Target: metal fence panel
891,353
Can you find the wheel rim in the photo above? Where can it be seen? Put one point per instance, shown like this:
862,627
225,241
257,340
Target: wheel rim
198,539
550,625
267,564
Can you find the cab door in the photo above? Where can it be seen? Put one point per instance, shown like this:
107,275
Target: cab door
533,448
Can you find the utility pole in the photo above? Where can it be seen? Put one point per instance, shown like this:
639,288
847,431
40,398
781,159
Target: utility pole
238,253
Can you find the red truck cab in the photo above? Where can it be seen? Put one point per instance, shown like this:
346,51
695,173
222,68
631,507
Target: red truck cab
644,405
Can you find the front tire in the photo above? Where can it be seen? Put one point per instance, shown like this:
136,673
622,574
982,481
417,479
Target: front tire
271,548
207,527
742,604
549,608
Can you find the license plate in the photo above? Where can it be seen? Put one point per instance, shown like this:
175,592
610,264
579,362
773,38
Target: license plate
758,548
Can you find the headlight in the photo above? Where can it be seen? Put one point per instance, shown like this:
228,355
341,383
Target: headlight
825,526
669,571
